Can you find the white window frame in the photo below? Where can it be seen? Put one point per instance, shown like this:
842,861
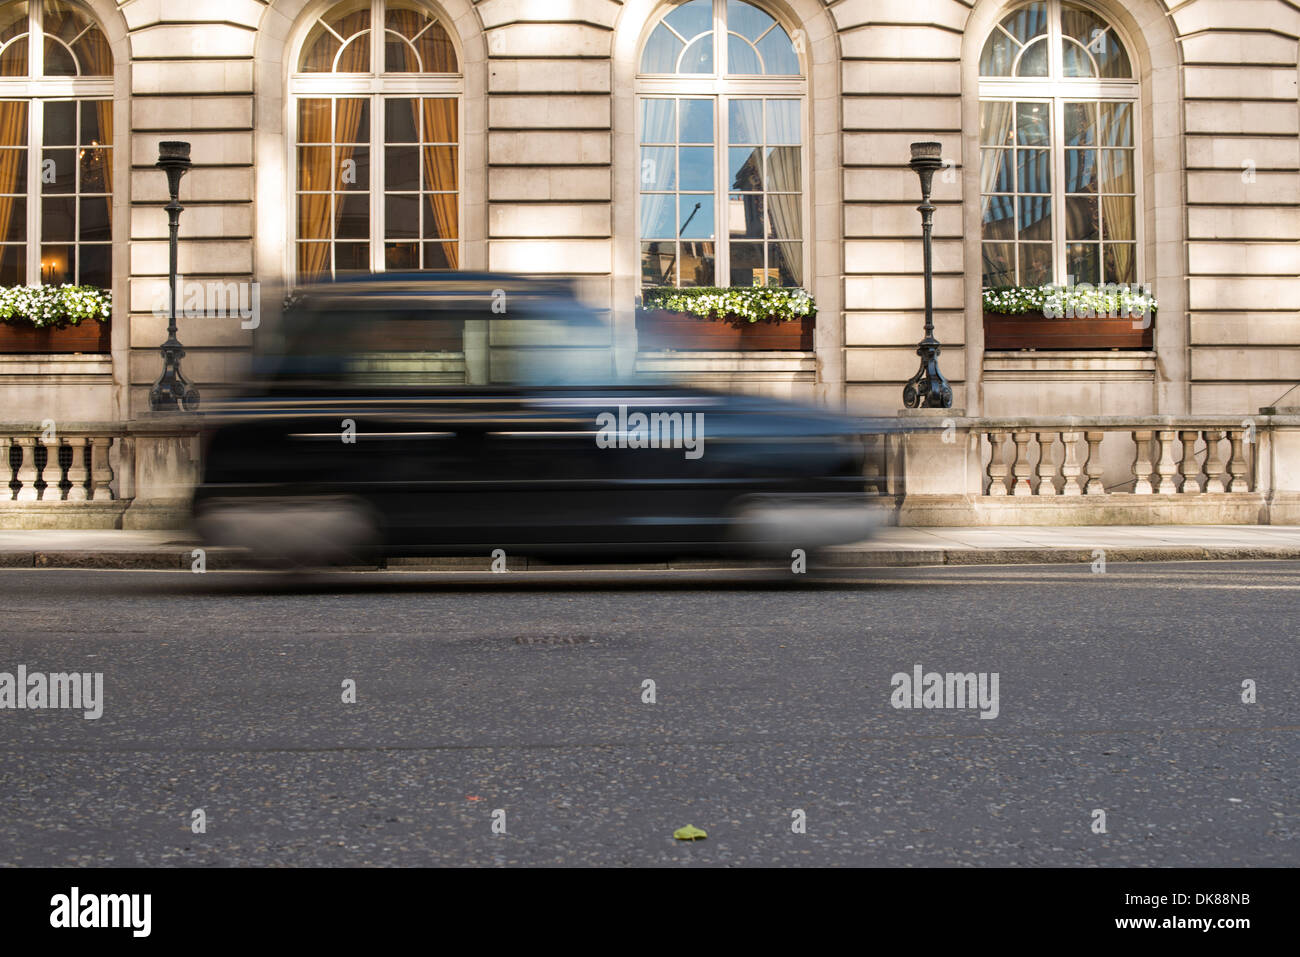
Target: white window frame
1058,89
373,86
721,89
37,90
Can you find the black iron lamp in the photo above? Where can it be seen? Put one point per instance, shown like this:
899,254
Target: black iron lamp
927,389
172,391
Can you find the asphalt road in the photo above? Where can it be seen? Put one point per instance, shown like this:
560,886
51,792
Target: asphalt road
1119,692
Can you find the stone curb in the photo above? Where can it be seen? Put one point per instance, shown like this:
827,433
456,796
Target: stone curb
218,559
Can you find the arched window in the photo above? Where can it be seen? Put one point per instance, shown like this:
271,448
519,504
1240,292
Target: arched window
376,131
721,118
1058,155
56,139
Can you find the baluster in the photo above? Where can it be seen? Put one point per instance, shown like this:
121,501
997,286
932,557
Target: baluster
1214,461
100,472
1094,469
1046,467
1191,469
27,473
1020,468
1071,467
1237,464
53,470
1142,464
78,474
1166,467
998,465
6,473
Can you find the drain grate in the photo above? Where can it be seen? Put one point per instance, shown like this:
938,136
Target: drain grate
552,640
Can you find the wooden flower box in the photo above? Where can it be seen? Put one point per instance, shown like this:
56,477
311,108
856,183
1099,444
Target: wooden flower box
659,330
1036,332
90,336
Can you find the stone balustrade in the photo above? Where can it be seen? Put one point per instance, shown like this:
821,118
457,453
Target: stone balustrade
136,474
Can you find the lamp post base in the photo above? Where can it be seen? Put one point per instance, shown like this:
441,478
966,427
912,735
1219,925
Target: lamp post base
928,389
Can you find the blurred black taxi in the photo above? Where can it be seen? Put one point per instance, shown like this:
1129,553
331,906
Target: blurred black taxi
458,414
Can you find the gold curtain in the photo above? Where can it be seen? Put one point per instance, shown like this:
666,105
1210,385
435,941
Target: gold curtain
13,132
314,179
440,170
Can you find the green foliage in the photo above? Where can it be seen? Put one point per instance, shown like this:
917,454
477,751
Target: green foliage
1070,302
754,303
45,306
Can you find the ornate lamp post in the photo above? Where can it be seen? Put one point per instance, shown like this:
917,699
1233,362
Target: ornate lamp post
927,389
172,391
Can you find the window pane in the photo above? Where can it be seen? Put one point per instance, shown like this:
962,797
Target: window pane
96,171
695,216
1033,124
745,169
401,257
995,123
96,122
430,49
1117,124
440,166
440,120
783,123
1027,22
314,121
657,216
352,121
354,168
61,123
696,121
745,119
13,123
1080,124
96,266
402,217
402,168
786,259
399,121
1035,263
58,171
747,264
658,121
783,172
783,217
995,171
313,260
998,56
745,216
1033,171
59,60
1081,262
698,57
697,264
658,167
441,216
1035,218
1117,214
96,220
1075,60
659,264
58,264
1121,262
1081,171
313,167
353,216
13,219
999,264
742,59
1116,171
1081,218
692,18
661,51
999,216
696,163
747,20
1033,62
778,54
352,257
314,216
441,256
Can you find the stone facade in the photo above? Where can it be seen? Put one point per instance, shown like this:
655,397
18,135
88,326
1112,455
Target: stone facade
549,185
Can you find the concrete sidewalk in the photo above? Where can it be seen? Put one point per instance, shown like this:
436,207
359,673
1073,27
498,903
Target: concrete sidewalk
890,547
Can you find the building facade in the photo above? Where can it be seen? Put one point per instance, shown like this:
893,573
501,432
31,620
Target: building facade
708,142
